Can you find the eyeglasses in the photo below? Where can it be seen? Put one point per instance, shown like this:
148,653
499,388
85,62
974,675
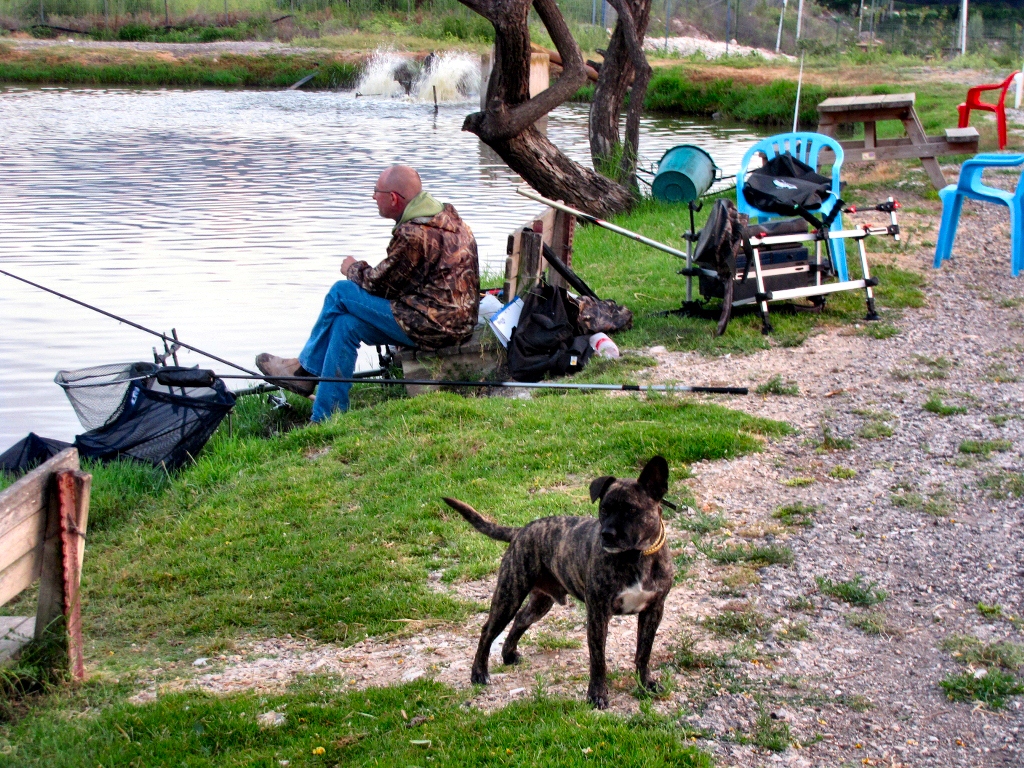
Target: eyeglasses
387,192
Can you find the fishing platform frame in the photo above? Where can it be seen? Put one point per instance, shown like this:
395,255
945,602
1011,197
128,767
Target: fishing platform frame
765,275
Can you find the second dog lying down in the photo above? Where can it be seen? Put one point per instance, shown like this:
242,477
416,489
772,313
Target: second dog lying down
616,564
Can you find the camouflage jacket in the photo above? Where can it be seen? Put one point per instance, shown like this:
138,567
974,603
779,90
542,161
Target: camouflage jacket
432,278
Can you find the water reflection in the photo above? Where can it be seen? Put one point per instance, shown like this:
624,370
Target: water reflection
224,214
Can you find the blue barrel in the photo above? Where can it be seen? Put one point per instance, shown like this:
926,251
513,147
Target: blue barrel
684,173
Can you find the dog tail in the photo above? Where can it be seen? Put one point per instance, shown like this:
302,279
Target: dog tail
482,524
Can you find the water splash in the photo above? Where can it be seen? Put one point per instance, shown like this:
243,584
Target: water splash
454,74
380,78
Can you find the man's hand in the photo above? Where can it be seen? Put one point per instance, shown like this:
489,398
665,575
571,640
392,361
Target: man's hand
346,264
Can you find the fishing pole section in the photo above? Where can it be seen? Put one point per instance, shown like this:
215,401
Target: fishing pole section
180,377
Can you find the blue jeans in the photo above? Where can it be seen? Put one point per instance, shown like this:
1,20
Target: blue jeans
350,316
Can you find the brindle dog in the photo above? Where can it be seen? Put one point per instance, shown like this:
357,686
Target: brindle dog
617,564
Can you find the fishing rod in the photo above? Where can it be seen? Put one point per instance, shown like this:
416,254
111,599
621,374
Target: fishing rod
202,377
120,319
601,223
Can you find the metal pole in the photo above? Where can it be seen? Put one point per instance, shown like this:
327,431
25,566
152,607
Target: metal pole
799,18
42,13
508,384
167,14
799,84
601,222
593,13
736,23
728,8
963,28
666,26
860,19
782,15
872,30
119,319
604,14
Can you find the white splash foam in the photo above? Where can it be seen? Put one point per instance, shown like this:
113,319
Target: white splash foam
456,76
378,79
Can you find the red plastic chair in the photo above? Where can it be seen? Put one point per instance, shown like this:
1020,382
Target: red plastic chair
974,102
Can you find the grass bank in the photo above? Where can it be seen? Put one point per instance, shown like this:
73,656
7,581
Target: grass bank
324,726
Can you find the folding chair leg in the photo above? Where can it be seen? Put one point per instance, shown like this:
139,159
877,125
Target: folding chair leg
952,202
868,282
762,300
1016,236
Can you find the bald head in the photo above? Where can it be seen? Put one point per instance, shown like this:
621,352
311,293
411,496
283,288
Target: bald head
396,186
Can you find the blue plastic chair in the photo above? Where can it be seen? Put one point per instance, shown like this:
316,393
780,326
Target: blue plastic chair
969,185
804,147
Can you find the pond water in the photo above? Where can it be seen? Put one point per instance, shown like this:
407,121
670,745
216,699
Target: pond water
223,214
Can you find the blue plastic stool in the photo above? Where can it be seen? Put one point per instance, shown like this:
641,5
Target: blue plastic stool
804,147
969,185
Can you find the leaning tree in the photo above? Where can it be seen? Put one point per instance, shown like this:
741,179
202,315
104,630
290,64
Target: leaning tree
507,123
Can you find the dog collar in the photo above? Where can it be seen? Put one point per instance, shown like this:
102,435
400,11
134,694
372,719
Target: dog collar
658,544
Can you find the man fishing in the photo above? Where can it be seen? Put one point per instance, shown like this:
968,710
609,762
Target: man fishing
425,294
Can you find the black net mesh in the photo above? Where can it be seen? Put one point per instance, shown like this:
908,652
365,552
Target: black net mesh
159,425
99,394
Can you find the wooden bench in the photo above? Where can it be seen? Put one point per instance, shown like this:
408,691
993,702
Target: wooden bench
896,106
482,355
43,518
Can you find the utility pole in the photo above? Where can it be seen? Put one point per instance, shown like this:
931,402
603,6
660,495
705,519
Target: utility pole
799,18
782,15
963,28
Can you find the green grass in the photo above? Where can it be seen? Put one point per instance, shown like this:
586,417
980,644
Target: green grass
796,514
775,386
646,281
992,687
324,727
970,650
854,591
985,447
226,71
1003,485
746,553
842,473
701,523
874,430
330,531
935,405
748,623
872,623
798,482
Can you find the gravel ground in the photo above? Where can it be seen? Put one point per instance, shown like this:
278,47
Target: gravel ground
913,519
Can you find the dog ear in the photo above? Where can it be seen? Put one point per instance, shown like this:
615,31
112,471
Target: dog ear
599,486
654,478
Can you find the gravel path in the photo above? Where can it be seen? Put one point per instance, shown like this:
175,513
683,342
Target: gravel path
913,518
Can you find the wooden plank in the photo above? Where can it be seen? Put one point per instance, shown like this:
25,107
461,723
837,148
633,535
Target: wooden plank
20,575
962,135
74,511
868,116
15,632
28,494
51,570
859,103
897,149
21,539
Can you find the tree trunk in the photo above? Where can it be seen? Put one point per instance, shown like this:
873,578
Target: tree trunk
624,65
507,123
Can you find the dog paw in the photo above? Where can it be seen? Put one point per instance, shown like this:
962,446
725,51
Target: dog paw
598,698
479,678
511,658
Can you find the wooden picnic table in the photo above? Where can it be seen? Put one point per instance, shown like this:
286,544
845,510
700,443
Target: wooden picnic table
895,106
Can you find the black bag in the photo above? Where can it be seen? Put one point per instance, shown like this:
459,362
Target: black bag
785,185
547,338
721,240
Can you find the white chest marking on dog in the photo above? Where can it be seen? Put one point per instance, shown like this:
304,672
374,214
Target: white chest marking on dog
634,599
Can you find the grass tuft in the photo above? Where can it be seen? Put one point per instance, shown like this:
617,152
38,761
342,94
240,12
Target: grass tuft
746,553
842,473
796,514
854,591
990,686
935,405
748,623
970,650
775,386
985,447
